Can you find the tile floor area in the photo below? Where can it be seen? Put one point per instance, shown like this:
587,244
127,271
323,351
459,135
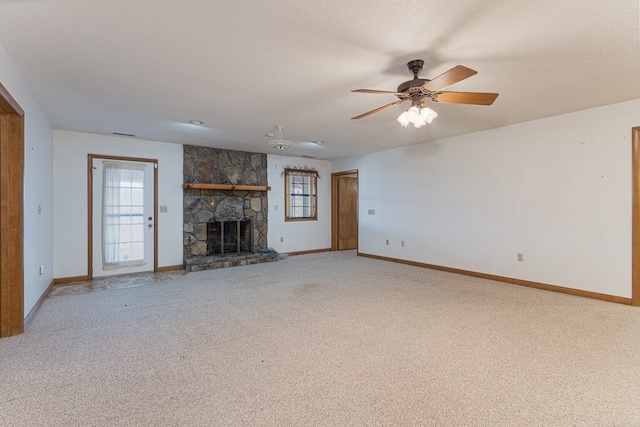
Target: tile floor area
115,282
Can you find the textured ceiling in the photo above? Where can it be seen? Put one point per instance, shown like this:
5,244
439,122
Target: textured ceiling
147,67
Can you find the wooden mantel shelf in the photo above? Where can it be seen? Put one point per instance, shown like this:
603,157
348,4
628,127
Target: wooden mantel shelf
228,187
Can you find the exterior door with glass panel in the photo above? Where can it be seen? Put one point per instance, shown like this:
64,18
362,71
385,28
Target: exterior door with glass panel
123,217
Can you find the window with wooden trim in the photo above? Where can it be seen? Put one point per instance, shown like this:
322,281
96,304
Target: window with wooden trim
301,195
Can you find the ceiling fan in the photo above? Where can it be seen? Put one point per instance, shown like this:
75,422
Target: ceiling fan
418,91
280,143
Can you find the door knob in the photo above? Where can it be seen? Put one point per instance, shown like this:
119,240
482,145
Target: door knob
150,218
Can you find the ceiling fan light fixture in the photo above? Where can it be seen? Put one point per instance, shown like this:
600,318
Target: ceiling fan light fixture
418,116
279,143
418,91
403,120
413,113
427,113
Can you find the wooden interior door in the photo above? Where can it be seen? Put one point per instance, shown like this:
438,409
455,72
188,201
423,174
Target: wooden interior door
347,212
11,215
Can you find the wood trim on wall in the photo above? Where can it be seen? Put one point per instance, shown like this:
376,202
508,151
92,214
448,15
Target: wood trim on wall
225,187
312,251
74,279
11,215
169,268
635,221
90,215
90,158
334,206
334,212
537,285
156,220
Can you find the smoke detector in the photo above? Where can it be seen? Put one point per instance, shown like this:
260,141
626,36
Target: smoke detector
279,142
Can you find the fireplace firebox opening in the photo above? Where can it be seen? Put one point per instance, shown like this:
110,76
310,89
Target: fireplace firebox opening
230,237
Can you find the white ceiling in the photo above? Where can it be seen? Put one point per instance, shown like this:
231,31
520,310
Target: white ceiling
147,67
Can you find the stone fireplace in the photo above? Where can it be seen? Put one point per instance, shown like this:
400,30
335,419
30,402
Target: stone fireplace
224,228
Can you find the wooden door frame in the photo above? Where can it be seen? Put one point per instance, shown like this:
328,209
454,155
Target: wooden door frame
90,158
334,207
11,215
635,227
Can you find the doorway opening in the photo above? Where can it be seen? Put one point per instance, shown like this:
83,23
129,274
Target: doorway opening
11,215
344,210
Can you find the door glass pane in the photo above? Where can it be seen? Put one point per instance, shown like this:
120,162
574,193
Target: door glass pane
123,215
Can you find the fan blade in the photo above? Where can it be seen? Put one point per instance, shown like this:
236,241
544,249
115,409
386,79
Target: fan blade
476,98
383,92
368,113
446,79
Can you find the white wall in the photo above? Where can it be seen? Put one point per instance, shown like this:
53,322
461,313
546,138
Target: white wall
70,195
557,190
298,235
38,186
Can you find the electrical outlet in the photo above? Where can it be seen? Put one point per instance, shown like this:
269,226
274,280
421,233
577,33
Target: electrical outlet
520,257
41,270
402,244
371,212
39,209
275,207
164,209
387,242
281,239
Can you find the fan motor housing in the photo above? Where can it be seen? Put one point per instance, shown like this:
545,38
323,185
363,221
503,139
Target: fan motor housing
415,67
412,83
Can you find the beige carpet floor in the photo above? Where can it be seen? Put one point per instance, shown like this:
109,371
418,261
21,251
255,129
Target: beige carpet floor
327,339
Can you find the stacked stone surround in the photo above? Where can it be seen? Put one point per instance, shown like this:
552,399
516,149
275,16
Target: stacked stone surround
218,166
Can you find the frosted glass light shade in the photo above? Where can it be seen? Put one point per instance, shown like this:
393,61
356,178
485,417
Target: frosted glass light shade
413,113
404,121
418,116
